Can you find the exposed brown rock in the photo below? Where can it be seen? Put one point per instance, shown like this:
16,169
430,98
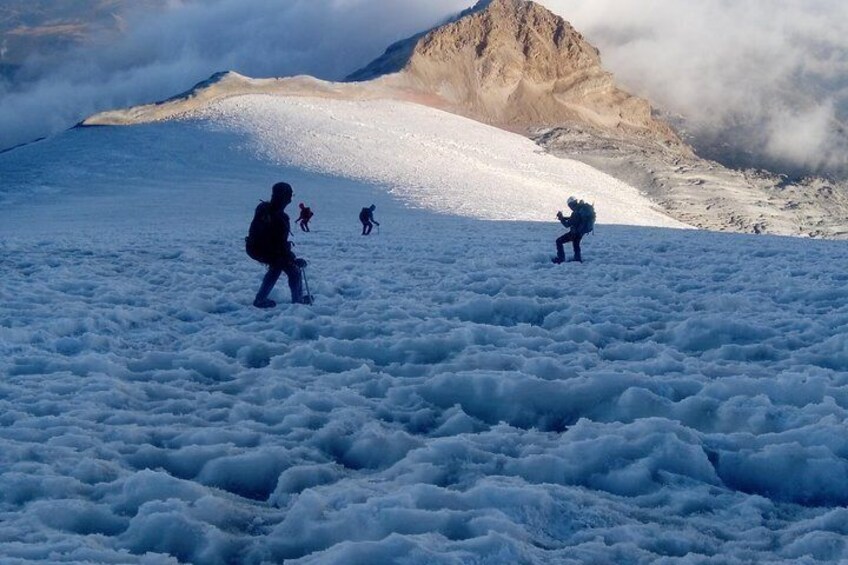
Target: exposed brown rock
517,65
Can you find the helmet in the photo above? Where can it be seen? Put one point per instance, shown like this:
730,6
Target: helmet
571,200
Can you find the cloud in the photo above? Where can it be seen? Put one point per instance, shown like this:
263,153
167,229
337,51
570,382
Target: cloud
759,82
164,52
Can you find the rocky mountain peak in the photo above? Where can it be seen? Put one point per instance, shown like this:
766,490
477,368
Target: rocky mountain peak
515,64
511,40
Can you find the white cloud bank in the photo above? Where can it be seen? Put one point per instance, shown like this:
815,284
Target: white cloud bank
163,53
766,78
758,81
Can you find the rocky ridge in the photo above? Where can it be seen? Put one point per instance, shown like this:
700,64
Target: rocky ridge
706,194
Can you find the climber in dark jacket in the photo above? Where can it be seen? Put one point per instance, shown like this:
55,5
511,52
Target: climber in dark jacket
366,216
279,256
575,233
304,217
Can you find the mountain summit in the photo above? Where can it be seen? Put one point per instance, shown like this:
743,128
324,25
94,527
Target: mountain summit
515,64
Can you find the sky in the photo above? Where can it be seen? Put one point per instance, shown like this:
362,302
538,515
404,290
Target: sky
757,81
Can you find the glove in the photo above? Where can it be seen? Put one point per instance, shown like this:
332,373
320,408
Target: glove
301,263
559,214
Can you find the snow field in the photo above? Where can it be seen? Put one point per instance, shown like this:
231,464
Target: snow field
428,158
451,397
447,407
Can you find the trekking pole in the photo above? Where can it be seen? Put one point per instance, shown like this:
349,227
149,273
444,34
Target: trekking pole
307,298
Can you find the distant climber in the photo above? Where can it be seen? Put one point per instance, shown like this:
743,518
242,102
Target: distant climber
366,216
267,242
304,217
579,223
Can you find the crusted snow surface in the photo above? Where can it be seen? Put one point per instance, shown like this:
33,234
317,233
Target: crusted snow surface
451,396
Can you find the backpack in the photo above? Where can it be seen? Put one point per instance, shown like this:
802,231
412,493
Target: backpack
586,212
259,242
307,213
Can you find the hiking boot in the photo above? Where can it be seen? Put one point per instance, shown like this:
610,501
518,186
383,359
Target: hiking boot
267,303
557,260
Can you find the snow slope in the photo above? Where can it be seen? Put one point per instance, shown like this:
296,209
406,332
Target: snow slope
451,397
428,158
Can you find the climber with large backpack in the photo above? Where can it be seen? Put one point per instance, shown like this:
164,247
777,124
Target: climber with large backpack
268,242
579,223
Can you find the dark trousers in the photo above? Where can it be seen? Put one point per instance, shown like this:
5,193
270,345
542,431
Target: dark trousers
275,269
574,238
304,225
367,227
